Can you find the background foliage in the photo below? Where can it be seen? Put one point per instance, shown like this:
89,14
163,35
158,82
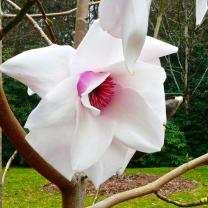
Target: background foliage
187,132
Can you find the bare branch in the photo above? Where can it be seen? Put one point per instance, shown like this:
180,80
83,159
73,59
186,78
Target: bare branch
159,18
200,81
202,201
8,166
38,16
17,18
172,72
96,195
34,23
151,187
55,14
47,21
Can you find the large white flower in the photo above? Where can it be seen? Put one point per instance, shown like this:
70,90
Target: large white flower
201,9
93,114
128,20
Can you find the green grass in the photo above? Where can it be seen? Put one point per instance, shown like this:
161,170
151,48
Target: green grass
22,190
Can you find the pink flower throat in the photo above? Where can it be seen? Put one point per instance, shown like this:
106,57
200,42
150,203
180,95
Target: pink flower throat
102,95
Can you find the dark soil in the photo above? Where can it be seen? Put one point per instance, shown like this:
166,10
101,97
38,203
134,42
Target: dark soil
118,184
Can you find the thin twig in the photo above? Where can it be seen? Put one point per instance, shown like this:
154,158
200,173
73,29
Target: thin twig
17,18
200,202
96,196
172,72
8,166
34,23
38,16
55,14
200,81
159,18
47,21
151,187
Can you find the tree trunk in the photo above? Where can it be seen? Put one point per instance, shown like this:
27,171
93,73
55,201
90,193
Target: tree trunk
74,196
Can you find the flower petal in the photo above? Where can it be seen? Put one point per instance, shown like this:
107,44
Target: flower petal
57,108
97,49
201,9
135,27
52,124
154,48
147,81
90,139
114,159
54,147
111,16
87,83
138,126
129,154
40,69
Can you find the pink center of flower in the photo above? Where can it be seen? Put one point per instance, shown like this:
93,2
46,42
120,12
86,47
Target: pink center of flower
101,96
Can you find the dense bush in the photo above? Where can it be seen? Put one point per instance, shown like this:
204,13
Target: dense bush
173,153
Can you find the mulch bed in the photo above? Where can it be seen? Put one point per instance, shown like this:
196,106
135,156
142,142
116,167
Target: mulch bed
118,184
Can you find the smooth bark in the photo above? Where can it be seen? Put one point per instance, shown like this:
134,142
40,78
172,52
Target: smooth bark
81,26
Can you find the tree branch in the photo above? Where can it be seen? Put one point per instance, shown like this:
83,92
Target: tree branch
8,166
47,21
55,14
96,196
202,201
200,81
38,16
33,22
17,18
159,18
151,187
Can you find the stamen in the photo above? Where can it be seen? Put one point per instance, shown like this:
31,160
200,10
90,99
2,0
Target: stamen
101,96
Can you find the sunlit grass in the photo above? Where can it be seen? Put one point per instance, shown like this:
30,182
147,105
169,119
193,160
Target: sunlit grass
22,190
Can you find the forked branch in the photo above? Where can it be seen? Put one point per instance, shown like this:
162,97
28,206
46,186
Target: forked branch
17,18
151,187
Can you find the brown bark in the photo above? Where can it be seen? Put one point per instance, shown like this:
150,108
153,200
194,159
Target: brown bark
74,197
81,26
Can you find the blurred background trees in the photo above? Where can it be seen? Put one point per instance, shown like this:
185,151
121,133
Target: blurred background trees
187,73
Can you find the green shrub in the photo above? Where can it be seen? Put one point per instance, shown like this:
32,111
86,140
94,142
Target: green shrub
173,153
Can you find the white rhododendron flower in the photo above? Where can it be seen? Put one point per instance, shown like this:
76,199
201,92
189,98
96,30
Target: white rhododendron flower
93,114
128,20
201,9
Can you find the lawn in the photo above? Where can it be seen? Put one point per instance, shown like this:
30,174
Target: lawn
22,190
